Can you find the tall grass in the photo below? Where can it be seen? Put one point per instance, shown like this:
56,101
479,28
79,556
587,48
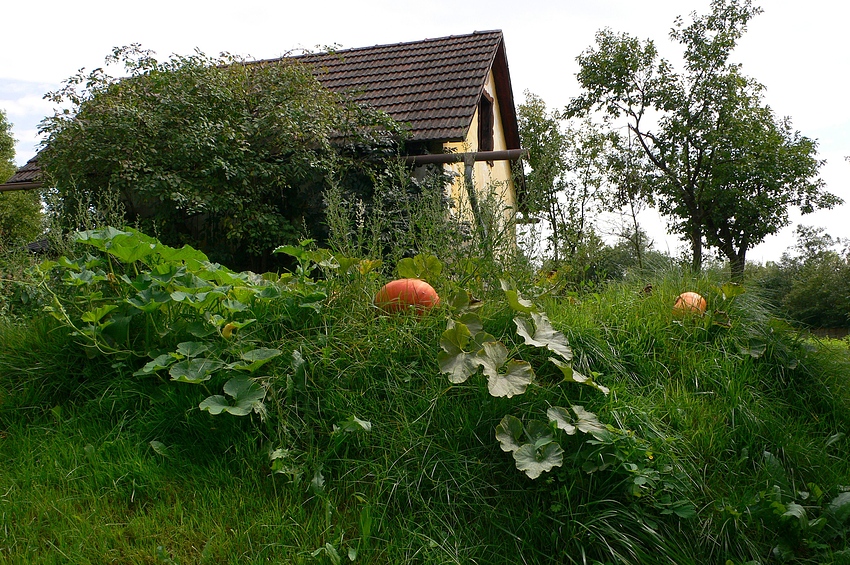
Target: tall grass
735,410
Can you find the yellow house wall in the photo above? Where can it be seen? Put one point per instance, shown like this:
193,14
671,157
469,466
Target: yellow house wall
486,176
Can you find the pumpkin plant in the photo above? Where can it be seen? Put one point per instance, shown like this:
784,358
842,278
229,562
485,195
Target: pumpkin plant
140,298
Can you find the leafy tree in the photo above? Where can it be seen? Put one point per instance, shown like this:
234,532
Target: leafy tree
811,282
725,170
229,156
567,175
20,211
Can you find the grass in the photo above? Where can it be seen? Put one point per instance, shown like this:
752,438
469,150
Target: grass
733,415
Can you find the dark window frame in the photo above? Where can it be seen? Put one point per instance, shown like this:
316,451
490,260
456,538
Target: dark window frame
486,122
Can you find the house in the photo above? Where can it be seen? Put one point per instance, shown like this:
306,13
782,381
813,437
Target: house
453,93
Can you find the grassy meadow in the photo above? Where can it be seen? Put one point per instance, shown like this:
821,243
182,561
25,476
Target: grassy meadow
332,432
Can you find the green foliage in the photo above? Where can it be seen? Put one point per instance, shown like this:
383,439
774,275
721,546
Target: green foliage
229,156
378,438
811,284
7,149
20,211
724,169
142,298
566,181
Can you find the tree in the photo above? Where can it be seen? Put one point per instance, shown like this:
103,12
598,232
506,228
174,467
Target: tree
229,156
20,211
725,170
567,173
811,282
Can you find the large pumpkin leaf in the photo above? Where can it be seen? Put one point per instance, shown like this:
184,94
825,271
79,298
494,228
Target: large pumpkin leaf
256,358
588,423
516,302
542,334
150,299
562,418
539,433
492,357
195,370
573,376
192,348
513,381
454,360
96,315
458,358
247,396
472,321
161,362
423,266
534,461
509,433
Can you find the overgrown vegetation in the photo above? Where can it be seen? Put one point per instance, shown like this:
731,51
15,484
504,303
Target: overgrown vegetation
228,156
172,410
810,281
157,406
20,211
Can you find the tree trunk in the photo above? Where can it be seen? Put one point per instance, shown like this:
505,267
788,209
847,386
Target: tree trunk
736,265
696,249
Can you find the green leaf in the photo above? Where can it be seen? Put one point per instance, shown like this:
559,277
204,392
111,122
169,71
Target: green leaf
570,375
256,358
458,366
453,360
129,249
150,299
422,266
535,462
232,305
472,322
353,424
509,433
542,334
588,423
731,290
215,404
195,370
161,362
516,378
492,356
94,316
183,254
539,433
159,447
192,348
840,506
299,253
515,301
562,418
247,396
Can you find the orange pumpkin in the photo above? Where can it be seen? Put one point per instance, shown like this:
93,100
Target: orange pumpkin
403,294
689,303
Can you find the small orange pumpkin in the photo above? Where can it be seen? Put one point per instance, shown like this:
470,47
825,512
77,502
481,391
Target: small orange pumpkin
689,303
401,294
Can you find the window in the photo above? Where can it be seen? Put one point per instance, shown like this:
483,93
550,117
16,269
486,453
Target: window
485,123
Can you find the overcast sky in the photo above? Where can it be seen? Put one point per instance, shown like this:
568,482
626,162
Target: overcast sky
799,50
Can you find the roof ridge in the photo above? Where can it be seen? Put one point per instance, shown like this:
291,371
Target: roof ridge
395,45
